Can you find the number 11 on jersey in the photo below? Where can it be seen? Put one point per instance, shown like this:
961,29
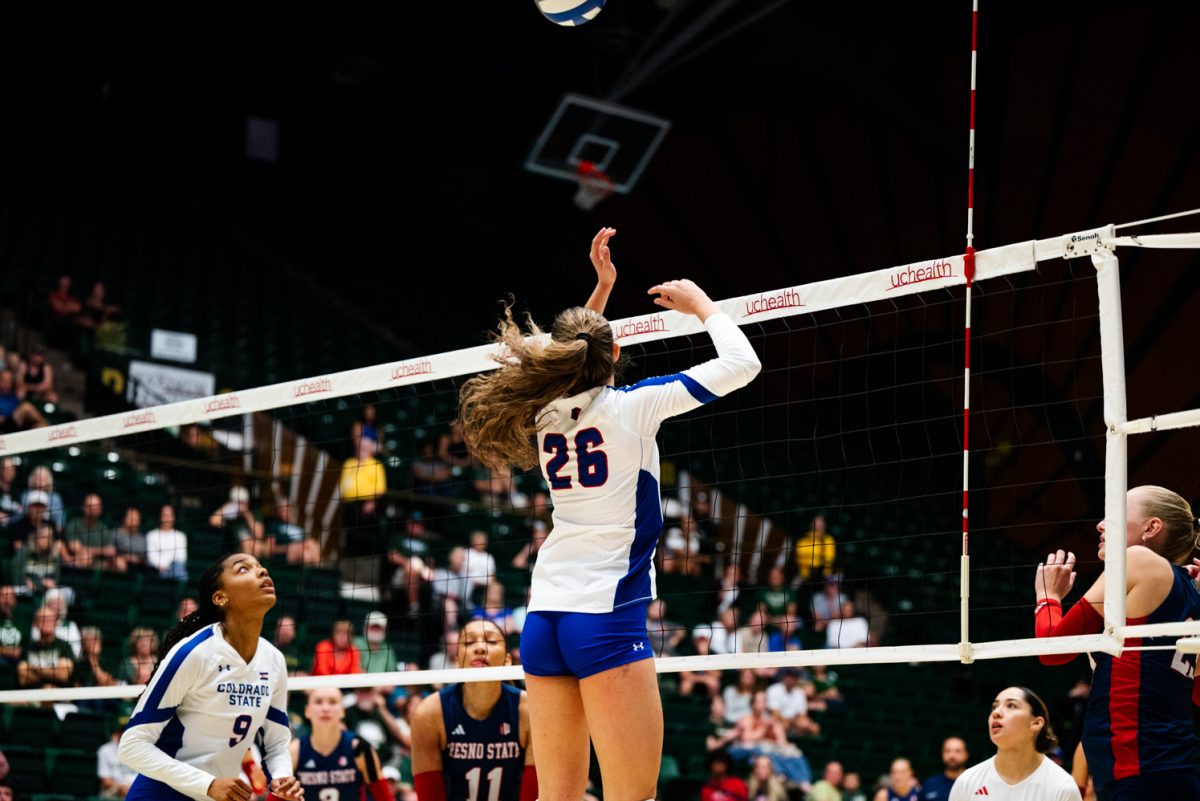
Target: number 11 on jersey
494,777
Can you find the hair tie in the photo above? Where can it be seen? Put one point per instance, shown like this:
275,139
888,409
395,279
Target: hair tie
585,336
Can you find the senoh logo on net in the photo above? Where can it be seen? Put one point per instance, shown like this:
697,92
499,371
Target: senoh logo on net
138,419
410,369
648,325
919,273
223,403
59,434
312,387
786,299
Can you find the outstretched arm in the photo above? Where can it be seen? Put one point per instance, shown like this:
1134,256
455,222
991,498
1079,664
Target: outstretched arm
606,273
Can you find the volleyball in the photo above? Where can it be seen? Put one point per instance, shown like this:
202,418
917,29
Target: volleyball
570,13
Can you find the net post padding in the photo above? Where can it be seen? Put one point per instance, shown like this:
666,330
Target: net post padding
1112,365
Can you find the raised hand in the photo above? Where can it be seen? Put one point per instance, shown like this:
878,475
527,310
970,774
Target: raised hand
1056,576
606,272
684,296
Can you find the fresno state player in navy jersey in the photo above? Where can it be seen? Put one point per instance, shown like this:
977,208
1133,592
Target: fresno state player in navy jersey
471,741
1137,733
333,764
902,783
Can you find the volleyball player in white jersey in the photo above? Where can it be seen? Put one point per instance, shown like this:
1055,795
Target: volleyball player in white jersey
1019,725
217,683
584,645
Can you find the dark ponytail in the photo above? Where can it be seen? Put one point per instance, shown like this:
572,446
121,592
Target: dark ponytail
1047,741
206,615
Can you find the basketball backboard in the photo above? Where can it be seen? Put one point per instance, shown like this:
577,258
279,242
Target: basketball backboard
618,141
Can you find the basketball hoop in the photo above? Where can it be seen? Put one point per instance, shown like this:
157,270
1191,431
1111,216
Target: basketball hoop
594,186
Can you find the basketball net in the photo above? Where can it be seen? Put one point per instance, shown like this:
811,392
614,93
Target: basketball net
594,186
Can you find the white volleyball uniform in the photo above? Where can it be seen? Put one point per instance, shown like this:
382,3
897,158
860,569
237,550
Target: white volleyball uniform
1048,783
600,459
199,715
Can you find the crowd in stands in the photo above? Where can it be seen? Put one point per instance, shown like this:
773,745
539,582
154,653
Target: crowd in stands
427,583
75,325
26,383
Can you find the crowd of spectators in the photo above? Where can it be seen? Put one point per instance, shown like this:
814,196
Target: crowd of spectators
429,584
26,385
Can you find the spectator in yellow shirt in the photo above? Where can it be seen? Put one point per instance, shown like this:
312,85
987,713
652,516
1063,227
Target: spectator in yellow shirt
816,552
363,478
362,483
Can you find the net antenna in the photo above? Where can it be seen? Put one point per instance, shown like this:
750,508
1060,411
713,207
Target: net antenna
969,274
594,186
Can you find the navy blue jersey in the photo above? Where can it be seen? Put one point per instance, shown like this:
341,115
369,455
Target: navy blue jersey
482,754
936,788
912,795
330,777
1139,716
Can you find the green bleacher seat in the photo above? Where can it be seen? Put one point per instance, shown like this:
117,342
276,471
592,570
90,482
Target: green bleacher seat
84,730
320,581
26,768
74,772
34,726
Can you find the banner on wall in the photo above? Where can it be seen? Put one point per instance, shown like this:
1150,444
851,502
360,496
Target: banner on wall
154,384
173,346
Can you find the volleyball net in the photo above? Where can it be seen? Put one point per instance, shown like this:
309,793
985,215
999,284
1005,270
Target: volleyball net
814,517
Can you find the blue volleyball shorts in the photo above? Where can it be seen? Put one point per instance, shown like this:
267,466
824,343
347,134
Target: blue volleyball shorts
582,644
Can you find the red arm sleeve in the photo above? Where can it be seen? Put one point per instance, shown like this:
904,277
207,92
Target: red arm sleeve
529,785
381,791
430,786
1082,619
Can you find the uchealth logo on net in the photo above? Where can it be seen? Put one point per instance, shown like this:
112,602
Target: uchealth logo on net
312,387
409,369
787,299
919,273
58,434
632,328
223,403
138,419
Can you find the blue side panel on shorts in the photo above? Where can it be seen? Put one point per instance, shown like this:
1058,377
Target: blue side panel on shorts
648,523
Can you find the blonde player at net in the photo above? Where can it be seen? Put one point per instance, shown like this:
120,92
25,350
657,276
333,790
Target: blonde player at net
332,763
1019,725
584,645
217,683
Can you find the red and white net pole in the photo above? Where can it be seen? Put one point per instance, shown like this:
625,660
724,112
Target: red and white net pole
964,644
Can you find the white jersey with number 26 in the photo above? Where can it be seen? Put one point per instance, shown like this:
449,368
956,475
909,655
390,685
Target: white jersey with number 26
600,459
